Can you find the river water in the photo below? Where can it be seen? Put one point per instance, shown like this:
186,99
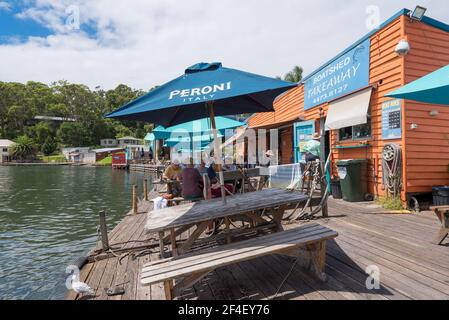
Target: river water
48,218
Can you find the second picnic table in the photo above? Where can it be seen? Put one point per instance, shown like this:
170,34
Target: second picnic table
177,220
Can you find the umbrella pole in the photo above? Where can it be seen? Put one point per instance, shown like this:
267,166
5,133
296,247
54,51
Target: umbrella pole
217,152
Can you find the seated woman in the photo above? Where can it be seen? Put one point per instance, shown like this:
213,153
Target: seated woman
215,183
192,181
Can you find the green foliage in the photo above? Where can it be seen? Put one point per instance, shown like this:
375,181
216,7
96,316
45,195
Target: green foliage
391,203
122,131
49,146
43,131
74,134
20,103
295,75
60,158
24,148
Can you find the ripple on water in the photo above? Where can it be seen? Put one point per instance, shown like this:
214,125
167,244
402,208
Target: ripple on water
44,227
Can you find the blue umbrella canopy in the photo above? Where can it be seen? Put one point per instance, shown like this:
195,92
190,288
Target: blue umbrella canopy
185,98
205,90
433,88
206,138
197,127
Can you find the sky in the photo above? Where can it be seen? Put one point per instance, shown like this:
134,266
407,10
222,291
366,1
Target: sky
143,43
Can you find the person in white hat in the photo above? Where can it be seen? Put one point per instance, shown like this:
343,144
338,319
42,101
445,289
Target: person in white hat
313,148
173,174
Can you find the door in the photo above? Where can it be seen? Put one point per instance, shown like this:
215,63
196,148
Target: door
303,132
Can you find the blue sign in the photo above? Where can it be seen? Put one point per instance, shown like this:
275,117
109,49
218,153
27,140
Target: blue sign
392,120
344,75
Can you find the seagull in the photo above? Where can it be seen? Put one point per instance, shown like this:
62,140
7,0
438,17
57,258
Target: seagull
81,287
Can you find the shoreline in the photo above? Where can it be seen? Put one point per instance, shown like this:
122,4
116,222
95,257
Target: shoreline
56,164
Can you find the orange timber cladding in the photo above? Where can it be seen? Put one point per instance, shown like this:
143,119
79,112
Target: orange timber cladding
425,149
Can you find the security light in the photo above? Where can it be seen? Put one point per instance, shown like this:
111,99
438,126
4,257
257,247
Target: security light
418,13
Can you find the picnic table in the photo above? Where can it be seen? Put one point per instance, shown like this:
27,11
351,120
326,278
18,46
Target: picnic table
442,213
270,203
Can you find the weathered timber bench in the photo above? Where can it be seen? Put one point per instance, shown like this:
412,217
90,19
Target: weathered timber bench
442,213
307,244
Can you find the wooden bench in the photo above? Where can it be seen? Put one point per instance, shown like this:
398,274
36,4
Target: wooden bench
442,213
307,244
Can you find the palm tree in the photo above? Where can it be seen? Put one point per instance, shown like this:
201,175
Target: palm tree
295,75
24,148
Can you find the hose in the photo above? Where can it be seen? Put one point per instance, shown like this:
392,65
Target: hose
392,169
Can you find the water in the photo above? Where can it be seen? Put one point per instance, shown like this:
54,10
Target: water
48,218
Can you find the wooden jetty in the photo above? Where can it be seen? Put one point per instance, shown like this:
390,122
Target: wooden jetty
398,245
147,168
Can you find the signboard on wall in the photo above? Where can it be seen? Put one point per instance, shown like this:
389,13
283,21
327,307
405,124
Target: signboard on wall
344,75
392,119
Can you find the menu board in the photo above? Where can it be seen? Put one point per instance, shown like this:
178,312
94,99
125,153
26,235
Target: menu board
392,120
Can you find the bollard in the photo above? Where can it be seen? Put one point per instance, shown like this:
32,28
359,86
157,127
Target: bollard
145,189
134,200
104,231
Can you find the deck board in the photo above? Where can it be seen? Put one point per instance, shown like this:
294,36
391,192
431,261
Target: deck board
400,245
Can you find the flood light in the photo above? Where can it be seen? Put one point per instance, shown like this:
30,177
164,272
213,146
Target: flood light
418,13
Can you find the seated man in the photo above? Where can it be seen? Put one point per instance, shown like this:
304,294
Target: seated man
192,181
173,174
202,169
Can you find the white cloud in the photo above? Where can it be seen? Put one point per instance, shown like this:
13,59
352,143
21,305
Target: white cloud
6,6
144,43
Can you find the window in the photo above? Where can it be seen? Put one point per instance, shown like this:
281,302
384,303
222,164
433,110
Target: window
359,132
5,149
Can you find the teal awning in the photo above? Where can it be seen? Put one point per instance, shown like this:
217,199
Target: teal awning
433,88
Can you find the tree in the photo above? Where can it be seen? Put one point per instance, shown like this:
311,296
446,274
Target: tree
42,132
295,75
24,148
74,134
49,146
122,131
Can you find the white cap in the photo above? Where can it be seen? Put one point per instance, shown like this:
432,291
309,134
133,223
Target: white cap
176,162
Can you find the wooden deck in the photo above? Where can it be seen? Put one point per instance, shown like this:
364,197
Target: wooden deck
398,244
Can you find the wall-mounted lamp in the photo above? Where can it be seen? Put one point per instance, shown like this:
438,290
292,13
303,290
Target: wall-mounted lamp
418,13
414,126
434,113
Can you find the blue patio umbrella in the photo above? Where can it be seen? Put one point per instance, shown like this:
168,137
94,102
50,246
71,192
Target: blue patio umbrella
197,127
205,90
433,88
197,139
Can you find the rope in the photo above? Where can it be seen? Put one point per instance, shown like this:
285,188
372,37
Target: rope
392,169
286,277
313,168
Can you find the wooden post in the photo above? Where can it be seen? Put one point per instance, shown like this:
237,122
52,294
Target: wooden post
324,208
104,231
145,189
134,200
217,151
228,230
168,288
173,242
161,244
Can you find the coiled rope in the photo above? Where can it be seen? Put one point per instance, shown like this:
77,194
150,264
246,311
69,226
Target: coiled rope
392,169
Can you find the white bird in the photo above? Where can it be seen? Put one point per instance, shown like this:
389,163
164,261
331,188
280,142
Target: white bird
81,287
